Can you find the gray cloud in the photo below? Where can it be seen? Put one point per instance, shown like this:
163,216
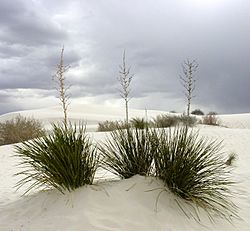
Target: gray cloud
27,23
158,37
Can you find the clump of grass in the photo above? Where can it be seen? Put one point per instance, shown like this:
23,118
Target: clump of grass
165,121
231,159
211,119
139,123
197,112
64,160
108,126
20,129
128,152
187,120
193,169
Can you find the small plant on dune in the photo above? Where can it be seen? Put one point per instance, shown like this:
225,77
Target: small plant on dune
231,159
165,121
64,160
128,152
139,123
187,120
211,119
194,170
20,129
108,126
197,112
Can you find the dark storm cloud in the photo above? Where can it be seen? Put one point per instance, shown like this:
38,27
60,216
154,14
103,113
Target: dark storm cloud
24,22
157,35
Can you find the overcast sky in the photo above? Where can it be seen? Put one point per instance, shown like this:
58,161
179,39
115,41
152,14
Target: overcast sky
158,36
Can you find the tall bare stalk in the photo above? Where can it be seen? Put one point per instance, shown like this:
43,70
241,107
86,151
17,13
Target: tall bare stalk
62,89
188,81
125,79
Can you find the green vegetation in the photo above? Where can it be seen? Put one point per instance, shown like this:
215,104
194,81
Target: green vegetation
193,169
161,121
211,119
108,126
128,152
64,160
231,159
165,121
197,112
190,167
20,129
139,123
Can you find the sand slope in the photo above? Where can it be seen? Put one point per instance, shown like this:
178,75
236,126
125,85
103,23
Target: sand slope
121,205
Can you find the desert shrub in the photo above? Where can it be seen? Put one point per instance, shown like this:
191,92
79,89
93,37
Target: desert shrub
139,123
193,169
64,160
20,129
108,126
165,121
187,120
197,112
211,119
231,159
128,152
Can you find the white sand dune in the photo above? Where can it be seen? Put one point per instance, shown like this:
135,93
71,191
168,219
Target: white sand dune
91,114
124,205
236,120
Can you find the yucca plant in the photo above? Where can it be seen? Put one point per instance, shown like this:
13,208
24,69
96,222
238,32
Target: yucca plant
64,160
139,123
165,121
128,152
193,168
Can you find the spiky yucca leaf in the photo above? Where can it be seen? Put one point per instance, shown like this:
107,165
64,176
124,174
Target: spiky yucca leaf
193,168
128,152
64,160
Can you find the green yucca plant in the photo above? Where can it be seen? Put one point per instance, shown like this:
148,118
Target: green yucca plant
165,121
193,169
128,152
139,123
64,160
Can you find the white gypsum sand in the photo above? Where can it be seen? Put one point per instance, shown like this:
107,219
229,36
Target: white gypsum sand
124,205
